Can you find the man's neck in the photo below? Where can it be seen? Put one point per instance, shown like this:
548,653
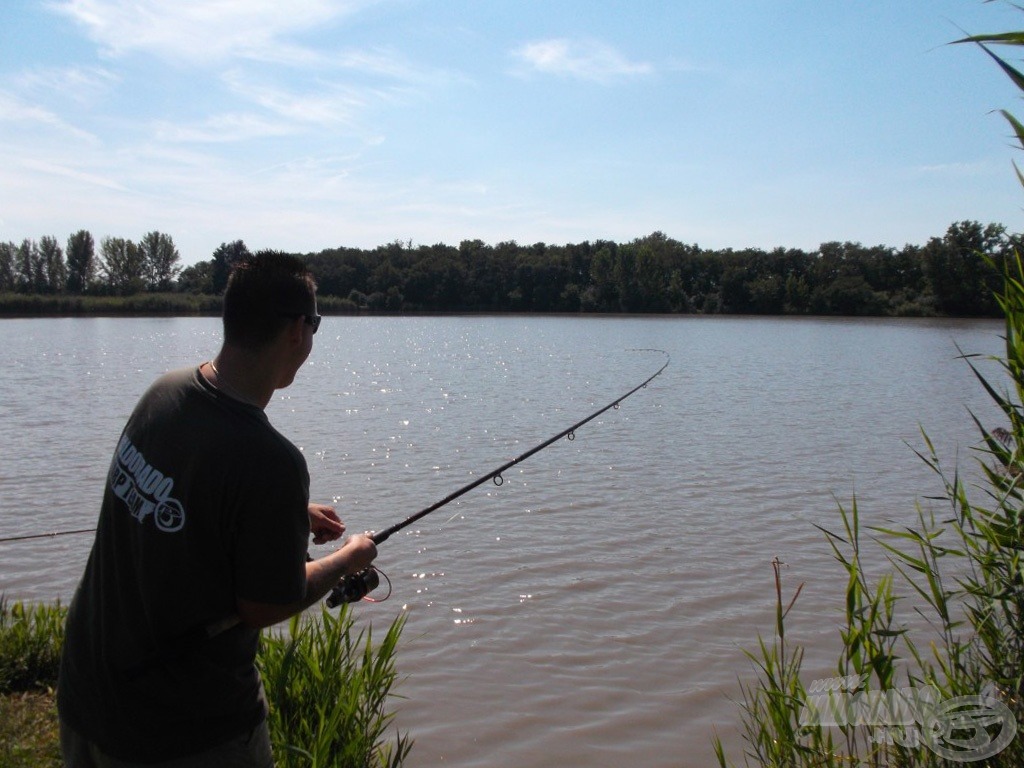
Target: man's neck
243,376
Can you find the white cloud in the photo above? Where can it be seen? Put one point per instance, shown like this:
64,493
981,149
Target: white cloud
198,31
80,84
68,172
584,60
242,43
223,129
16,110
327,104
956,169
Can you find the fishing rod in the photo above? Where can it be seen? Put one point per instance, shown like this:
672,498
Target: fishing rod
49,535
356,586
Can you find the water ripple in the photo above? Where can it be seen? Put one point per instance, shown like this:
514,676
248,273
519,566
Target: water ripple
594,607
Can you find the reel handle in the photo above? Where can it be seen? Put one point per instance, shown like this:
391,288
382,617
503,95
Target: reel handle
354,587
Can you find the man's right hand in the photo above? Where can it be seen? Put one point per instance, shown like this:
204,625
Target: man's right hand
322,575
359,551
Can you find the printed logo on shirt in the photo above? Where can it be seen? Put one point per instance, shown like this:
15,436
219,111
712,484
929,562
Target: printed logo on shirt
144,489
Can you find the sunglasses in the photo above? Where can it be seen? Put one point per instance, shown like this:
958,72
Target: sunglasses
312,320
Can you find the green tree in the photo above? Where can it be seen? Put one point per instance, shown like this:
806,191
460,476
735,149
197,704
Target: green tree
766,294
224,259
28,274
8,258
652,274
489,272
847,295
451,282
81,261
161,260
197,278
482,277
55,272
797,295
734,284
339,271
122,265
964,268
384,277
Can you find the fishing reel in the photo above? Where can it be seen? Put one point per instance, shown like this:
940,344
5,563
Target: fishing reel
354,587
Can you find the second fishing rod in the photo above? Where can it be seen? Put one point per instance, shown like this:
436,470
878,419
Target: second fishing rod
357,586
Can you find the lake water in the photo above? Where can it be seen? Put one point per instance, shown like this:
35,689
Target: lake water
593,609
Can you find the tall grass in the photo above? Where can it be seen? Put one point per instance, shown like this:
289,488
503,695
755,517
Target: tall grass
328,689
31,638
949,693
956,694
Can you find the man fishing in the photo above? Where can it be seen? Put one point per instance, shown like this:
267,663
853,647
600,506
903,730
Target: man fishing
201,542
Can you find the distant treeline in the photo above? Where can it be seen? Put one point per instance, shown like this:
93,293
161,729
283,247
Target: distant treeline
955,274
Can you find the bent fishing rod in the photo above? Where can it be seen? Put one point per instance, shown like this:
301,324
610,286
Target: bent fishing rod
356,586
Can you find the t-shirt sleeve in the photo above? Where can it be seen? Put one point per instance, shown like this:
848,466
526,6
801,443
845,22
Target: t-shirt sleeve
273,534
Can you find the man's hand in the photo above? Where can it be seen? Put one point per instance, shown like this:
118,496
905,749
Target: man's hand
322,575
359,551
324,523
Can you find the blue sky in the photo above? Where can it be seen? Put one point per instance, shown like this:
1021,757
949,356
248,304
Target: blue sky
311,124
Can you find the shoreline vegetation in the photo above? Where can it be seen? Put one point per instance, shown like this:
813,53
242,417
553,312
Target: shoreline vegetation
147,304
898,699
948,692
329,688
953,275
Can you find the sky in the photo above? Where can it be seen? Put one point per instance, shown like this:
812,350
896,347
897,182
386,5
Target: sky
313,124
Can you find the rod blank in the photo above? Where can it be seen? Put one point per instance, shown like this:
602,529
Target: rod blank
384,535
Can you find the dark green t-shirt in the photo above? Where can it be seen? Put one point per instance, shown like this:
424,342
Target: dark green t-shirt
205,502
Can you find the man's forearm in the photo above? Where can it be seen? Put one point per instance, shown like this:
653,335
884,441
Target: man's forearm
321,576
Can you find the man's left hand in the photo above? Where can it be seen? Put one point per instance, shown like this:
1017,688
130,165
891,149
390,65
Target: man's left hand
324,523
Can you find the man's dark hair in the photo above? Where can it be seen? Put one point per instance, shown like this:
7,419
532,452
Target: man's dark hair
263,292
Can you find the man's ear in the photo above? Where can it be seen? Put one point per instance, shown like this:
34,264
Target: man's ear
295,331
